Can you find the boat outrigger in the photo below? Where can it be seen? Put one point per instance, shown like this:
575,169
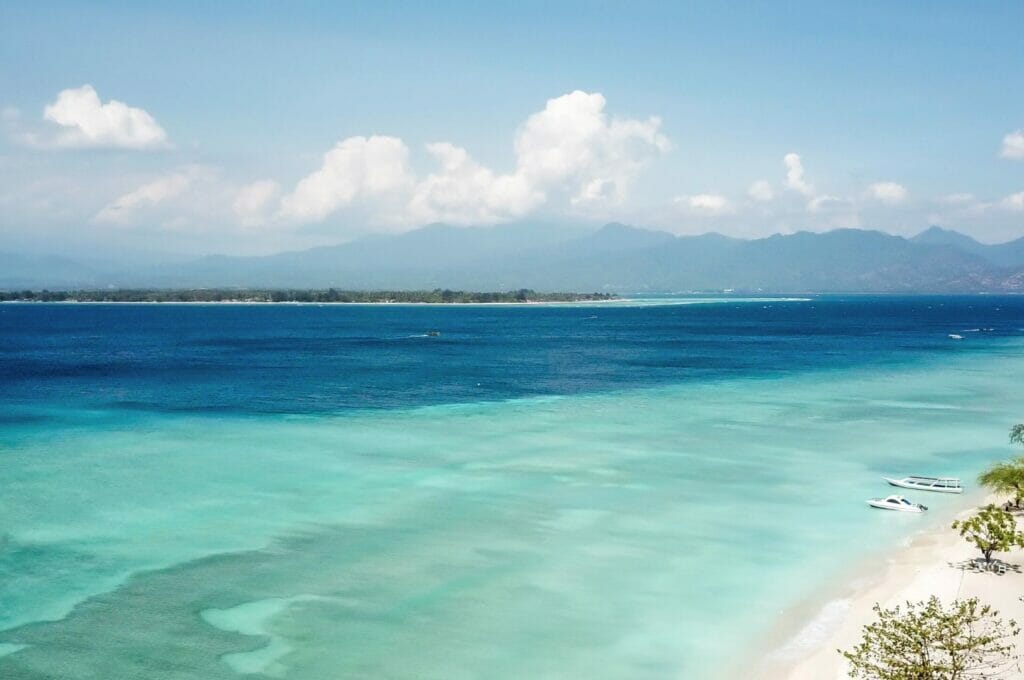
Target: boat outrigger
898,503
940,484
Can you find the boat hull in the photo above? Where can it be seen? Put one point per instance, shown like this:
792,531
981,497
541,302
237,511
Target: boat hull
903,485
882,505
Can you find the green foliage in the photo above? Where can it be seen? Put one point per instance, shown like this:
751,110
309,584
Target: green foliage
991,530
926,641
295,295
1017,434
1005,478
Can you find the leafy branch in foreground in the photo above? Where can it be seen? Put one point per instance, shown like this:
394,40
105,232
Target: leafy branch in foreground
991,530
1017,434
927,641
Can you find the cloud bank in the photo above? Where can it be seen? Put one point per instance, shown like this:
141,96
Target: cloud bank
570,152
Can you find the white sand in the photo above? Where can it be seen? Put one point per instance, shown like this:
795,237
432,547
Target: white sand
932,564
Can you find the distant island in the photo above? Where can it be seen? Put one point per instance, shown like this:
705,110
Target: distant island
329,295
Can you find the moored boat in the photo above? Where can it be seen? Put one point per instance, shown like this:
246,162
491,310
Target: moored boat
939,484
897,503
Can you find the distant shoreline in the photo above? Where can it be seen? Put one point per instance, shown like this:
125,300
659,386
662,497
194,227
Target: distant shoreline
526,303
315,296
609,301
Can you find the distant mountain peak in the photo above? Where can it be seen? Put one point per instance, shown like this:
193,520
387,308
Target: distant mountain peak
938,236
618,235
620,228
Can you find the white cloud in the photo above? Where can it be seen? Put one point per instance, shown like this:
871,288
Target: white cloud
573,145
833,212
1014,202
253,202
706,205
465,192
826,202
1013,145
956,199
795,174
888,192
761,191
357,167
571,149
86,122
124,209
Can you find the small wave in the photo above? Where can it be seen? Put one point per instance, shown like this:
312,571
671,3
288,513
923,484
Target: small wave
916,405
815,633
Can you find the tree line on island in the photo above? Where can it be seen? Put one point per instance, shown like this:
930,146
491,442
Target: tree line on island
329,295
929,640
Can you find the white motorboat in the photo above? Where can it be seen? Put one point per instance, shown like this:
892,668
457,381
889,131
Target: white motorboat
898,503
955,336
940,484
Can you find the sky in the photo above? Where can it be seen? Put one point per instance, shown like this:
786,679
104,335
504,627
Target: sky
255,127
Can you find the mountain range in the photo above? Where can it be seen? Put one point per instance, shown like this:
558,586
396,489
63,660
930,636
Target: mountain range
614,257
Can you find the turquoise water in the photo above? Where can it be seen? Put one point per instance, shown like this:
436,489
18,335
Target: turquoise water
604,533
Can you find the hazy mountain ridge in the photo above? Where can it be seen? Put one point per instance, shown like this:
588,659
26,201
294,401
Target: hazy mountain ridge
615,257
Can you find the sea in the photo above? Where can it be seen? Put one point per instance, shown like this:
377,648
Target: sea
636,489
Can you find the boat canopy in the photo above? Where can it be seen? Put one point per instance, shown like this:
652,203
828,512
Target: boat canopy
937,481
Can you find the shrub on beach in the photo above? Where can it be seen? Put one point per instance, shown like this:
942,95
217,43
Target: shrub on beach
1007,477
991,530
926,640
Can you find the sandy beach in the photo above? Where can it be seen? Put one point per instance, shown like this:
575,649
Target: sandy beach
934,562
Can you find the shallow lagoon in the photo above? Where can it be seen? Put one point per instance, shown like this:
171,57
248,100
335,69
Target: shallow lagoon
618,532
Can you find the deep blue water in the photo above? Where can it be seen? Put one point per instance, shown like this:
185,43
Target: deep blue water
311,359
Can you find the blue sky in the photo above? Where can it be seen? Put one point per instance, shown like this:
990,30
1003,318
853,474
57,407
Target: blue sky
269,126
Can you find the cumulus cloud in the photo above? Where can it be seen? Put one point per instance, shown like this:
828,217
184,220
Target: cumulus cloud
1014,202
464,192
128,208
357,167
571,150
1013,145
84,121
706,205
888,192
795,174
761,191
572,144
253,202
